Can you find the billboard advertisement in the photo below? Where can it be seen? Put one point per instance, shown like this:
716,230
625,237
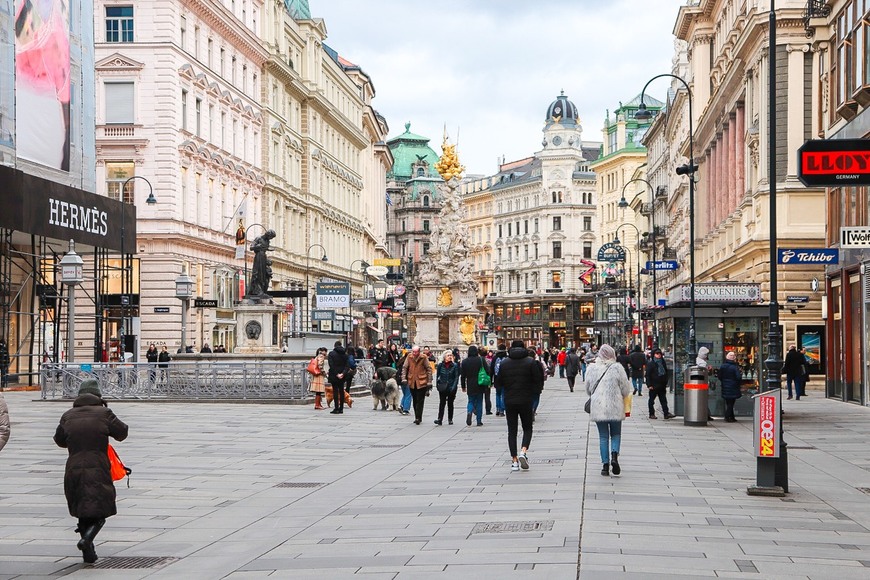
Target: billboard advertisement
42,82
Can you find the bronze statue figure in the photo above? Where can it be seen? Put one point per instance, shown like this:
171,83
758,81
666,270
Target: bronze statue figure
261,273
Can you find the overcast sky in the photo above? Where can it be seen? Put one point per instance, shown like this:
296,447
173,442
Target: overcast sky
489,68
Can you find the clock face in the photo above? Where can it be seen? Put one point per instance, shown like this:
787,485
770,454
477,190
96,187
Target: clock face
557,140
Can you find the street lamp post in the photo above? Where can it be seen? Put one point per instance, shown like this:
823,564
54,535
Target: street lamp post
184,291
126,260
617,242
686,169
307,287
363,266
71,274
624,204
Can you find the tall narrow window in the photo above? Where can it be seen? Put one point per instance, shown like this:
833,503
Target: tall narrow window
587,250
587,223
556,278
222,60
425,225
536,225
557,223
119,24
557,250
196,54
198,117
182,41
223,131
184,110
209,54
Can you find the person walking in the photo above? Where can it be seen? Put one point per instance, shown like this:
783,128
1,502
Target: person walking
499,357
637,363
622,359
84,431
418,373
317,378
572,367
446,381
393,355
794,369
521,378
338,366
657,383
730,377
610,393
403,382
163,360
469,372
5,426
560,358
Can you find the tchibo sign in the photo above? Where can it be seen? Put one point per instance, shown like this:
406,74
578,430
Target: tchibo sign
808,256
855,237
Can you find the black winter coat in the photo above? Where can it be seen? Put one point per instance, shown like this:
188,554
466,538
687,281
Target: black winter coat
448,376
87,483
468,370
730,376
151,355
637,360
653,380
572,364
794,362
521,377
338,365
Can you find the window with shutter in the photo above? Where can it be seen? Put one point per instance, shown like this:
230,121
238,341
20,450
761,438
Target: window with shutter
119,103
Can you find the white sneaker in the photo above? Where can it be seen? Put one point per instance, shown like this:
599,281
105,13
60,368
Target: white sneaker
524,460
515,466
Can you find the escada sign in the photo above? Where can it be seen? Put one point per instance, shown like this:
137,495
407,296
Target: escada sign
834,162
808,256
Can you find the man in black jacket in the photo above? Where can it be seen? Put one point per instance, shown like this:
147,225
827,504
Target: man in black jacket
338,366
522,379
657,382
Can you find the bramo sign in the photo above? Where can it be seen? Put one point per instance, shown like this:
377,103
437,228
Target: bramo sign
834,162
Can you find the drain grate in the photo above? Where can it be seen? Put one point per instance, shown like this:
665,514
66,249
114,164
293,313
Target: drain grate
399,446
131,562
513,527
299,484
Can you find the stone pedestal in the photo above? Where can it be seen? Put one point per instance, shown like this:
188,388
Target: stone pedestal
445,313
254,327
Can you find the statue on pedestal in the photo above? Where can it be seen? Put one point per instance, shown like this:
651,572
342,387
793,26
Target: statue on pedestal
261,273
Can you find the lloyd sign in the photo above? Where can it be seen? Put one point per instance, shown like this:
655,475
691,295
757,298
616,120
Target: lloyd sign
834,162
766,423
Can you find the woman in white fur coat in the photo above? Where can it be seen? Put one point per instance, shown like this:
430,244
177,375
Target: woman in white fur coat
609,388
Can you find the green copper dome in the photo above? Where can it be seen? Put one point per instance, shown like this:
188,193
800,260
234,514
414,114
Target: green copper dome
409,150
298,9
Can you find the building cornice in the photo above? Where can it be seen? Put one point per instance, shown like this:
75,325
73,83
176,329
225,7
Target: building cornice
228,27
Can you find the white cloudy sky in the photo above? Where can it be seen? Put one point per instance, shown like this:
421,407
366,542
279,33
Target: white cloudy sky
489,68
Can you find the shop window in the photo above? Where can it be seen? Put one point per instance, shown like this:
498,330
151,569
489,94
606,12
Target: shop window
116,174
556,279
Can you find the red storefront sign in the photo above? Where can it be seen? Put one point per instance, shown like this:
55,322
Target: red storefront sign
766,424
834,162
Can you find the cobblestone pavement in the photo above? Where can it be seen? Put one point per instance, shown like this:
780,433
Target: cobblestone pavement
253,491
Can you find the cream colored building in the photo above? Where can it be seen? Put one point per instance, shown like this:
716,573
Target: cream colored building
728,73
478,201
234,110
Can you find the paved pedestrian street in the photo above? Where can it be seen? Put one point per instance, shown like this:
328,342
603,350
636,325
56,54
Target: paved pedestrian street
282,491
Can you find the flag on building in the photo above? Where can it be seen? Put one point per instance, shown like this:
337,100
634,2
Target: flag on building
389,199
241,233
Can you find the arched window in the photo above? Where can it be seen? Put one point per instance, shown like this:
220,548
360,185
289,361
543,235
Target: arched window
420,172
425,201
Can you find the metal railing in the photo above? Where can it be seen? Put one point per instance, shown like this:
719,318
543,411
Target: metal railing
207,379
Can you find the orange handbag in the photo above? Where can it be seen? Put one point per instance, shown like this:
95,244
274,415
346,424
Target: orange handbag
118,469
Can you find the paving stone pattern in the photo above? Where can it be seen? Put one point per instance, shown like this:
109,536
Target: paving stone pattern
282,491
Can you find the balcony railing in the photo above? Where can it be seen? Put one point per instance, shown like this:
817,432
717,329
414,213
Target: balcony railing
118,131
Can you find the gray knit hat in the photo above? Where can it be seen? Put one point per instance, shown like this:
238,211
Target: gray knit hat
90,387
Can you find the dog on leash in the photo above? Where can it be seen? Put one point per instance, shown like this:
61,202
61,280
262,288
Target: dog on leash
348,400
387,393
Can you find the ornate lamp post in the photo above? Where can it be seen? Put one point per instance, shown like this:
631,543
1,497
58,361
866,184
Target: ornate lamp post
624,204
686,169
127,260
184,292
307,274
71,274
617,242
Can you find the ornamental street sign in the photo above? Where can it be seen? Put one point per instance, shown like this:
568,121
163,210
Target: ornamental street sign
611,252
663,265
807,256
834,162
855,237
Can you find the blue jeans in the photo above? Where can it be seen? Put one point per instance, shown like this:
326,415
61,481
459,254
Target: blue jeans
637,385
609,436
499,400
535,402
406,397
583,371
475,405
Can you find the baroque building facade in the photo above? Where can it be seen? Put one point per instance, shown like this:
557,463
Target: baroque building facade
543,228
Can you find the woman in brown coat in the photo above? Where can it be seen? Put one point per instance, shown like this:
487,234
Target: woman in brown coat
87,483
317,382
418,373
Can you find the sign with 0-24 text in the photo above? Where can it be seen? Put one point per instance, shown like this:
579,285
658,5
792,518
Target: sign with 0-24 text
766,423
834,162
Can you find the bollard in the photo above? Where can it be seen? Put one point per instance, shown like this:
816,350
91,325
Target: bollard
695,393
